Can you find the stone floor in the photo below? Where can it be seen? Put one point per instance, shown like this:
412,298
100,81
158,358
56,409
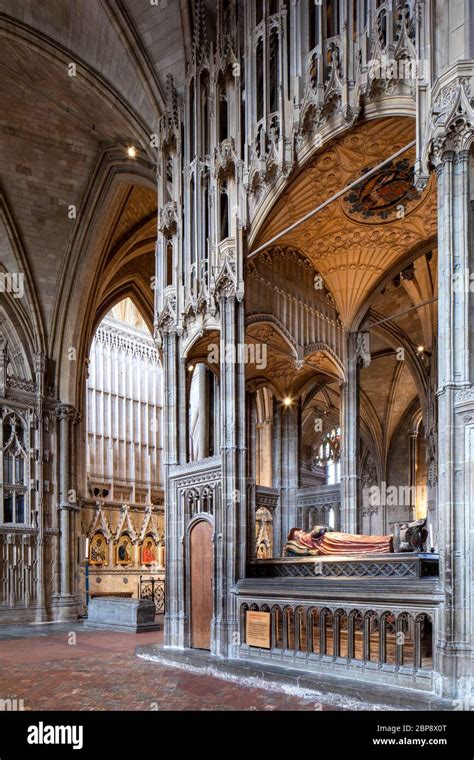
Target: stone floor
67,667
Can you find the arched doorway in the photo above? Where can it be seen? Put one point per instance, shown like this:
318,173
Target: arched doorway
202,571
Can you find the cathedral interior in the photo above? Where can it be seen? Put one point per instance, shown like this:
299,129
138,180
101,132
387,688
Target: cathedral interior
236,317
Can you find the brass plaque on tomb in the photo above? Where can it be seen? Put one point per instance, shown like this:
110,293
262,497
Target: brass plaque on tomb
257,633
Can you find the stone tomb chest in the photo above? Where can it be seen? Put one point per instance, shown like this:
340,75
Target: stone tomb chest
121,614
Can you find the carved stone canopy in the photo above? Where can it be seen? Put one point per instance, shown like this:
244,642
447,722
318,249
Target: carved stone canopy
452,124
348,249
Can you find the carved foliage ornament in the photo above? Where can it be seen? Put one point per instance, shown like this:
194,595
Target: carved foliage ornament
169,123
452,126
167,318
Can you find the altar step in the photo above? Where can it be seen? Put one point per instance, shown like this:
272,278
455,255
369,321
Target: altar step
340,692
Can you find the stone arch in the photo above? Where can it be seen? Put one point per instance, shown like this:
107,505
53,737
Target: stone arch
351,251
58,54
23,324
86,265
408,258
277,325
334,132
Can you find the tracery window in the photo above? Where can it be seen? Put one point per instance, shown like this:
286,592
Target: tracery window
329,456
269,77
14,486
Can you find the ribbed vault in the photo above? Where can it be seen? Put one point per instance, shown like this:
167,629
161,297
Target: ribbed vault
360,236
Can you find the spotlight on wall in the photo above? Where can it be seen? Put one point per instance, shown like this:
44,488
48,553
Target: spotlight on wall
131,151
421,349
191,368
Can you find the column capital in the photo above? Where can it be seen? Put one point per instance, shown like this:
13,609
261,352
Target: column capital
67,412
39,362
452,124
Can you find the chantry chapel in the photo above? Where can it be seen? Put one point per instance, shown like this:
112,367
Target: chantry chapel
236,325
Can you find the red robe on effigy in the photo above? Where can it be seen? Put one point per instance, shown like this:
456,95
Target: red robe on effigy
320,542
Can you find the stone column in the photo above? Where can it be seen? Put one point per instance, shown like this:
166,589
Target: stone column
174,621
290,449
203,411
276,477
453,137
413,484
265,446
350,439
251,471
40,366
3,365
161,556
67,503
182,447
230,517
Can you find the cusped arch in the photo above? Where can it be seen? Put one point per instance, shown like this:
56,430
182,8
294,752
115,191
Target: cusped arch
277,325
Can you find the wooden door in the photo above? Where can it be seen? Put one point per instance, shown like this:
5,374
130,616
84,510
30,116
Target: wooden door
202,571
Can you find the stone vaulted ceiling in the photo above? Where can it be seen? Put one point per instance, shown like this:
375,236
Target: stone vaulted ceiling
355,240
55,127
